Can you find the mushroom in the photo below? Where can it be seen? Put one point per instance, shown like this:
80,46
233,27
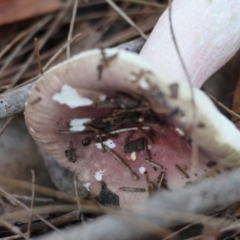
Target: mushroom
100,115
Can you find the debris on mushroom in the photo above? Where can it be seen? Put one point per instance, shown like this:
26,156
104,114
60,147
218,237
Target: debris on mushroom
118,126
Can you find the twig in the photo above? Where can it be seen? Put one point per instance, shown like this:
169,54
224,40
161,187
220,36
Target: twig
12,228
181,171
147,3
9,120
58,221
32,205
121,162
71,27
27,208
127,19
38,55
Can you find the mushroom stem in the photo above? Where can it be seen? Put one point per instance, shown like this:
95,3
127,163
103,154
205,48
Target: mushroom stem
207,33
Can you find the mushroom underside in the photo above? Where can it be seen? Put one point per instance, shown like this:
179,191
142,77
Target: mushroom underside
100,115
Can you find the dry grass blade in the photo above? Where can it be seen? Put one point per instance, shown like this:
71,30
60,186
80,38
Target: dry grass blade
11,237
75,180
12,228
71,27
32,205
36,47
127,19
16,39
34,29
54,57
40,210
37,199
8,195
42,42
39,189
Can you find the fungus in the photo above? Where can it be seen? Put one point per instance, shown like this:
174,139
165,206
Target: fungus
109,110
112,122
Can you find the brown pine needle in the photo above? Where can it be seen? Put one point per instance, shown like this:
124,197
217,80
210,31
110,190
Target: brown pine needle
121,162
40,189
71,27
147,3
37,54
18,48
127,19
18,38
51,60
8,195
37,199
232,113
75,180
32,205
12,228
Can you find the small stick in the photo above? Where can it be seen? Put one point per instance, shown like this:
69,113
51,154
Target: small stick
131,189
154,164
160,180
32,205
181,171
149,158
147,3
121,162
150,186
143,132
103,134
126,18
27,208
128,129
38,55
101,142
9,120
75,180
71,27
